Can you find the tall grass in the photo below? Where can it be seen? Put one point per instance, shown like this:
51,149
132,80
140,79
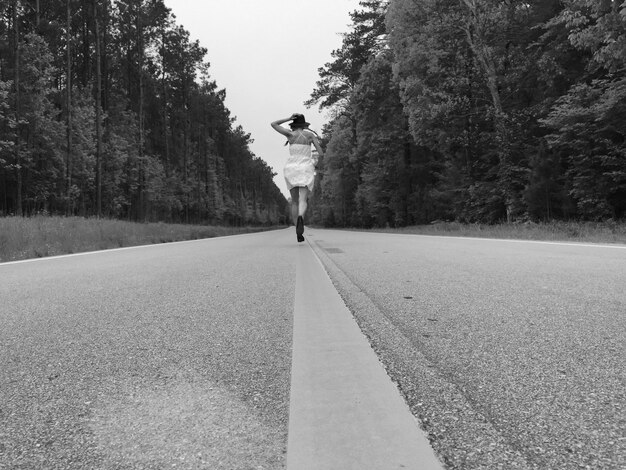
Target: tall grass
39,236
594,232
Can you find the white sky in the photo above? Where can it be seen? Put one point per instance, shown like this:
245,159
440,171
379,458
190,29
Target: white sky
266,53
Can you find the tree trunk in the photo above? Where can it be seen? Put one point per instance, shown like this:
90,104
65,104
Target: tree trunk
484,56
186,163
166,142
68,98
140,46
86,33
16,84
186,149
105,61
98,112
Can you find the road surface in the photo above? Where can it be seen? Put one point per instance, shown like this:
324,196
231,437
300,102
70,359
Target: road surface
166,356
510,354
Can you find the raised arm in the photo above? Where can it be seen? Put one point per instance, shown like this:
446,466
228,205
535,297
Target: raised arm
278,128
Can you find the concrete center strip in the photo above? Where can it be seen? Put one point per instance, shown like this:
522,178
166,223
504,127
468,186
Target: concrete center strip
345,413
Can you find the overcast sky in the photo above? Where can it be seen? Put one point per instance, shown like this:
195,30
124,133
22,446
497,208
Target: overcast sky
266,53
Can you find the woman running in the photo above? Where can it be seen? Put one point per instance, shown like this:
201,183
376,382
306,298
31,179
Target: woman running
299,170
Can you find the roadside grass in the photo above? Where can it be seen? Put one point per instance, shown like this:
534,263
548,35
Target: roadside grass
40,236
590,232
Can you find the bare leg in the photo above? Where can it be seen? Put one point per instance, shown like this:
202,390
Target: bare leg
295,197
303,196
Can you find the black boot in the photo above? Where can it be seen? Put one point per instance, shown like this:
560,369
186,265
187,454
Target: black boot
300,228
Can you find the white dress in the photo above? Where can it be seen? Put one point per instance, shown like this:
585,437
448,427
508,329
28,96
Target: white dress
300,167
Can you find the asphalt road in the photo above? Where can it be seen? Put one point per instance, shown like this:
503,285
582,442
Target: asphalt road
510,353
168,356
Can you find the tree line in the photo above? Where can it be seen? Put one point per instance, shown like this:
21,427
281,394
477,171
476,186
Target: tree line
107,108
476,111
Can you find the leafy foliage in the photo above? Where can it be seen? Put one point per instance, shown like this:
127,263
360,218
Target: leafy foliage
169,150
477,110
338,78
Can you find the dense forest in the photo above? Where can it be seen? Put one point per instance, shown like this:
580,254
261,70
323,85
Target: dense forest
467,110
475,111
107,109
